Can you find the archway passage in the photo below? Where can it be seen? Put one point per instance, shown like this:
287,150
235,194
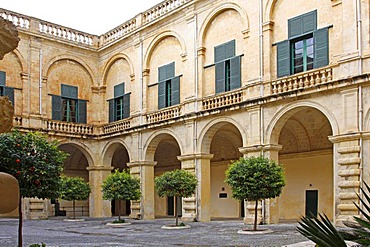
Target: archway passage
166,157
225,145
307,155
74,166
120,159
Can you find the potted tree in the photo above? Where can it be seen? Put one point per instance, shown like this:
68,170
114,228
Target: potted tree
35,162
176,183
255,179
74,188
121,186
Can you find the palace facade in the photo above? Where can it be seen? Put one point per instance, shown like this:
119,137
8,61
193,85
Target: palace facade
194,85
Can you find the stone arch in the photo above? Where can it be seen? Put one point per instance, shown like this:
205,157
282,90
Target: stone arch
158,39
112,60
153,141
21,59
72,58
109,150
83,148
218,10
276,124
269,8
212,127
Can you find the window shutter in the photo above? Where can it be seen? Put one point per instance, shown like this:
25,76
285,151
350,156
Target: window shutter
235,75
119,90
2,78
309,22
321,41
220,77
126,105
82,111
111,110
230,49
283,58
69,91
175,91
170,71
161,94
295,26
56,102
9,92
219,53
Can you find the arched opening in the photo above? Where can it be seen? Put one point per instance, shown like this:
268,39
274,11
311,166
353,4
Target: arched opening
225,140
165,155
307,156
120,158
74,166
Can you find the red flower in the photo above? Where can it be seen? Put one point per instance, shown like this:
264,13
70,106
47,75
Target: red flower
17,160
17,174
32,169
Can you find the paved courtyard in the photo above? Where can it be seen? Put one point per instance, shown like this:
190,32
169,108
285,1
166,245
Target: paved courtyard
95,232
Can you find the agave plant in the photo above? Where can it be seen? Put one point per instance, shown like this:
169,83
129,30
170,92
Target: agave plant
323,233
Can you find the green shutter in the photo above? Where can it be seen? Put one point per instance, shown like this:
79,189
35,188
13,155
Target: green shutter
175,91
220,77
111,110
321,41
230,49
119,90
161,94
126,105
9,92
166,72
56,102
69,91
302,24
219,53
2,78
283,58
235,75
82,111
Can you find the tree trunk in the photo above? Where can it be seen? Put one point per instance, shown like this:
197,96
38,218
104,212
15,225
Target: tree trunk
176,216
119,210
255,216
74,211
20,224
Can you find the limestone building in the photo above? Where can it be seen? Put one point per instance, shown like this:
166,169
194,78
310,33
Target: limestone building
194,84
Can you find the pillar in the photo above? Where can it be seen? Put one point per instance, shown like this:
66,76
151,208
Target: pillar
144,208
97,206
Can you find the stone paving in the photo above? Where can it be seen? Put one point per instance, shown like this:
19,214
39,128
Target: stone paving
95,232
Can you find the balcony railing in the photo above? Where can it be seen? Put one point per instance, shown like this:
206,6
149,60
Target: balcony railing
72,128
166,114
225,99
301,81
117,126
18,20
162,9
119,32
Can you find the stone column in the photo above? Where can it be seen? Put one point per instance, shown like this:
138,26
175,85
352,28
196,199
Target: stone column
347,174
97,206
268,210
144,208
203,174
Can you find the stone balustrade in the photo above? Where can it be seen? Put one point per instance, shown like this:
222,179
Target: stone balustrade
116,126
162,9
304,80
118,32
65,33
224,99
166,114
18,20
72,128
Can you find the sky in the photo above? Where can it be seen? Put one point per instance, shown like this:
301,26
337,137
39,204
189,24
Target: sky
90,16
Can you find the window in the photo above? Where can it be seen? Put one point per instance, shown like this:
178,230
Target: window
306,47
228,75
119,106
168,86
67,107
4,90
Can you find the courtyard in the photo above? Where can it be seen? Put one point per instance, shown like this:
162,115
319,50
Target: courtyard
95,232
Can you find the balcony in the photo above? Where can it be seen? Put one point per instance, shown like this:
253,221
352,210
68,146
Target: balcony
163,115
69,128
222,100
117,126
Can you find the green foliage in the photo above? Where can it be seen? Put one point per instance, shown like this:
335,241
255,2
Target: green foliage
74,188
34,161
255,178
121,186
178,183
38,245
321,232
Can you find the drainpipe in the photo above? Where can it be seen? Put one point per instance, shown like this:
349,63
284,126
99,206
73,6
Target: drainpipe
141,82
40,83
195,126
